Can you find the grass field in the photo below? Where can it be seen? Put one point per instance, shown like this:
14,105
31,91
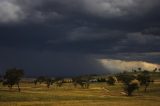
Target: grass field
99,94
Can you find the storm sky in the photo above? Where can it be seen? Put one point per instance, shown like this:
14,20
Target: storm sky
74,37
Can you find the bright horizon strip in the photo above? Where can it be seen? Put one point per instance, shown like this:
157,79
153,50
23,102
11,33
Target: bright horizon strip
122,65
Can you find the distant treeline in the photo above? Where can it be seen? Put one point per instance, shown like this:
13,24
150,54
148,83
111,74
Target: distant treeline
132,80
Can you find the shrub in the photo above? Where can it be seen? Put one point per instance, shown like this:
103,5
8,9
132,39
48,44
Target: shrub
111,80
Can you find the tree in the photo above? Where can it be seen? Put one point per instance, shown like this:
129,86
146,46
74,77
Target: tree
134,71
75,84
131,87
83,81
12,77
111,80
35,82
155,70
1,78
129,81
41,79
101,80
125,77
59,83
144,79
140,69
48,82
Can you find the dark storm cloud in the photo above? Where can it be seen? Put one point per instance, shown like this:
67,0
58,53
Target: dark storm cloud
116,29
49,63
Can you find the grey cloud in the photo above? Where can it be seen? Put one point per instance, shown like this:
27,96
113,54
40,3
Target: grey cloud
44,10
90,34
142,39
65,31
155,31
150,57
137,42
114,8
17,11
10,12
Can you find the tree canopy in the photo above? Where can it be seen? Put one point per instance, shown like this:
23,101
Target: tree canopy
12,77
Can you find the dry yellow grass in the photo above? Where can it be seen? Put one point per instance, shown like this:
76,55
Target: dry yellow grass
99,94
82,103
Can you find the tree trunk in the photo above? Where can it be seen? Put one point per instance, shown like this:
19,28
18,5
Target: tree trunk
145,90
129,93
18,87
10,87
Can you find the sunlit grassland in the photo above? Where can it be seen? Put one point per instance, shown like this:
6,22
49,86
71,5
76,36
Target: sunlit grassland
98,94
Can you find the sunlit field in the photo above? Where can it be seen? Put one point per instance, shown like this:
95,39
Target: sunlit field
98,94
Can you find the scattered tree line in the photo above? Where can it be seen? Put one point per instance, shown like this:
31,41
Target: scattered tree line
131,80
48,81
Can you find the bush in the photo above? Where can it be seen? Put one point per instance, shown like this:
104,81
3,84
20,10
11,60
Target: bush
111,80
